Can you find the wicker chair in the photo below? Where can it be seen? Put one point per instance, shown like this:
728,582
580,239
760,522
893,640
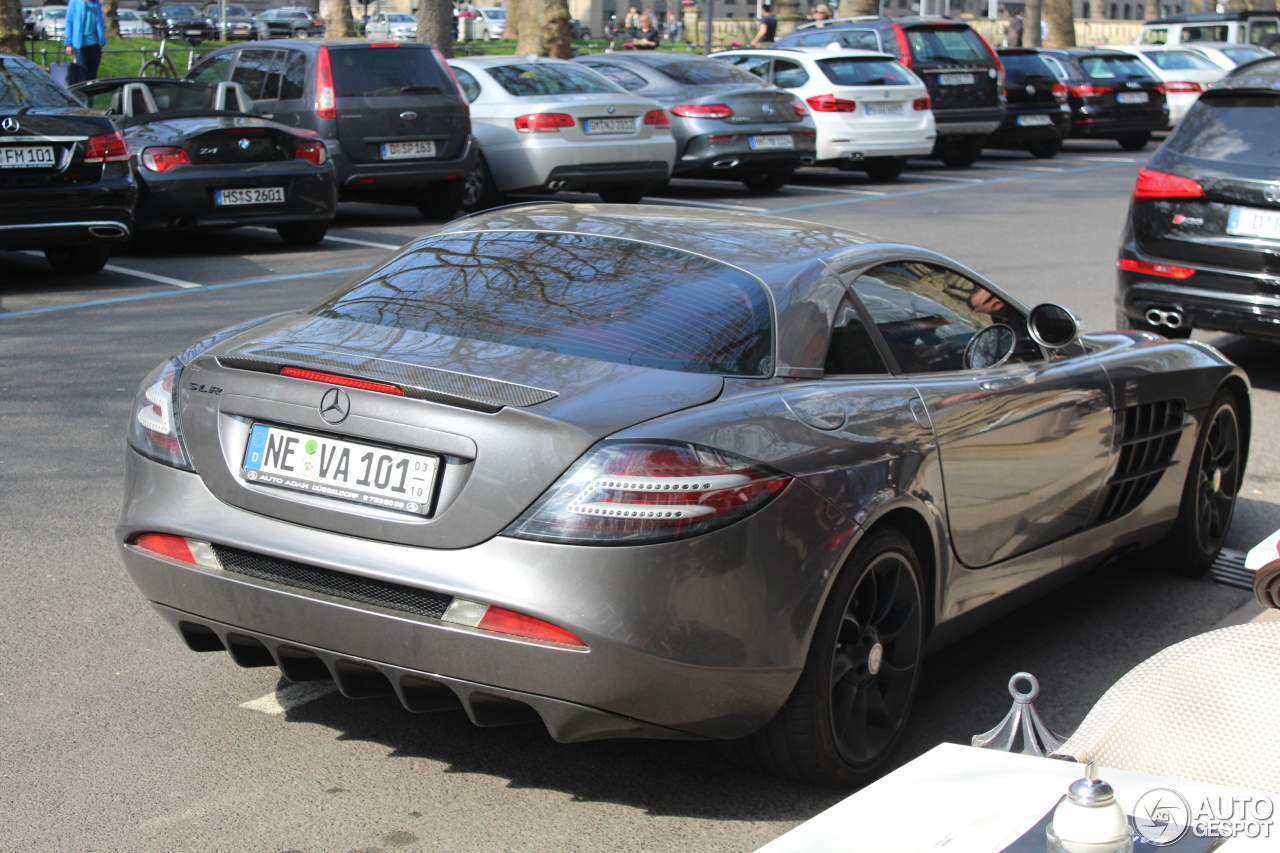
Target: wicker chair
1203,709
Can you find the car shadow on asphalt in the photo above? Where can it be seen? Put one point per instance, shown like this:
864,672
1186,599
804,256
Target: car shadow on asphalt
1078,640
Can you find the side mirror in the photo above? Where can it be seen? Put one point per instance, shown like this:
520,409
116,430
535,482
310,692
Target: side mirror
991,347
1053,326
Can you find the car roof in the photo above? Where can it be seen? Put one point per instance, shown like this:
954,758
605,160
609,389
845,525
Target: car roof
1211,17
816,52
493,61
1262,73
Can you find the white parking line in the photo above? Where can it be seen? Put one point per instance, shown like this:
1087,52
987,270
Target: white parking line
833,189
360,242
1015,168
686,203
942,178
287,698
150,276
1105,159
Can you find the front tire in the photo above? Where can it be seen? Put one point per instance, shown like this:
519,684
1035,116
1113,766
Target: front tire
303,233
623,194
851,703
768,182
78,260
1134,141
884,168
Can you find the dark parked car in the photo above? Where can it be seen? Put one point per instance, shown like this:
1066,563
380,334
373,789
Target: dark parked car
396,124
727,123
962,72
292,22
65,182
241,24
1201,247
180,22
1039,117
203,161
1112,95
660,472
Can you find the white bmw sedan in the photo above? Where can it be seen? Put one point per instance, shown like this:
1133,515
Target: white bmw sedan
547,125
872,113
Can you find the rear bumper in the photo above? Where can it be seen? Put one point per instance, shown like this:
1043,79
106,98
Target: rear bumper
842,139
185,197
530,164
369,180
968,122
702,154
40,217
1010,134
1213,299
1109,125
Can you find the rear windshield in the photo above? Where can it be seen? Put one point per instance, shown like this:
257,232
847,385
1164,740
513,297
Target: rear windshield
529,79
946,44
178,11
1020,66
370,72
595,297
23,84
854,71
1113,67
1235,128
401,19
701,72
495,14
1241,55
1180,60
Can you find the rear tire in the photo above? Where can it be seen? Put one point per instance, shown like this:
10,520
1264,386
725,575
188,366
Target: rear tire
853,698
768,182
1209,494
623,194
301,34
303,233
84,259
1134,141
1046,149
960,152
479,192
884,168
443,201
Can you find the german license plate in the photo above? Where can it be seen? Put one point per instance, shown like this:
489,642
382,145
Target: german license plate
1132,98
780,141
1250,222
955,79
258,195
408,150
27,157
195,32
1035,120
887,108
344,470
593,126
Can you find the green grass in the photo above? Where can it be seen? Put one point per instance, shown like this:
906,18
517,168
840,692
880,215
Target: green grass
128,61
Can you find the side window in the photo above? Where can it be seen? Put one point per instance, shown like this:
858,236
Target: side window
851,351
213,70
251,71
1259,30
470,85
928,313
271,86
788,74
624,78
294,81
757,65
1155,35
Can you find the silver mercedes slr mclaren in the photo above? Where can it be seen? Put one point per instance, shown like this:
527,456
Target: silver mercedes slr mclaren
661,472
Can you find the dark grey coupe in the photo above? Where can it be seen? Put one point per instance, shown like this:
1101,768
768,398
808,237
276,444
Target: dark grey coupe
656,472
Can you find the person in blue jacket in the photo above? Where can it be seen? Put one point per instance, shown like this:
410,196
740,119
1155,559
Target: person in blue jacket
85,33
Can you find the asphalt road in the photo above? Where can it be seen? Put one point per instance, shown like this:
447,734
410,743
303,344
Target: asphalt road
114,737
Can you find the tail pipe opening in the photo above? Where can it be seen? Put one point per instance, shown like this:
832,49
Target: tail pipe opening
725,164
1171,318
108,231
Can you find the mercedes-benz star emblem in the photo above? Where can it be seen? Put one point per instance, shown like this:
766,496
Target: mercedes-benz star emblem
767,108
612,110
335,405
1272,194
10,125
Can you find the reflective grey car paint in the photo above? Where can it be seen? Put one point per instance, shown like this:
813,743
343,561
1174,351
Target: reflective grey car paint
702,637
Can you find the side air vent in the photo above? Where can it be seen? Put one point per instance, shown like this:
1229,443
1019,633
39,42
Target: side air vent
393,596
1147,434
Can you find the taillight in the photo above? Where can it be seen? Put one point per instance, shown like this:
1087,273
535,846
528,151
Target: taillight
345,381
462,93
1088,90
800,108
326,98
623,493
922,103
657,118
163,159
106,148
313,151
831,104
1152,185
703,111
904,49
178,548
543,122
995,57
153,429
385,44
1149,268
487,617
1180,86
1060,92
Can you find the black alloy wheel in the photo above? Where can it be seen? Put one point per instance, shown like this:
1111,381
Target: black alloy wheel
1134,141
1045,149
623,194
884,168
78,260
851,702
480,192
1209,494
767,182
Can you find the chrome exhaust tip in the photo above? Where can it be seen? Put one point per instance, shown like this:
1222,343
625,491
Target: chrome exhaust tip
1155,317
807,161
1159,317
108,231
1173,319
557,186
725,164
854,155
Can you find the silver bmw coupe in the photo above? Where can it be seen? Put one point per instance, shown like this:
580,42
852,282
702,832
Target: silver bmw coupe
661,472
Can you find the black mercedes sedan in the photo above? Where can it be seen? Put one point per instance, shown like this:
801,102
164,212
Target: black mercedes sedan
65,182
180,22
1112,95
1201,248
1038,118
203,159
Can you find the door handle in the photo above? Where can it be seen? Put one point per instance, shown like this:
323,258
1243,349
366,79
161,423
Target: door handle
1000,384
267,115
920,413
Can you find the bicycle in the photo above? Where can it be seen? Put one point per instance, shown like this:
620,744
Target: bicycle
160,65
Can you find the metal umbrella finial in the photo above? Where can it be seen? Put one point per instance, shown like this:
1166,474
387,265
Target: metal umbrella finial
1022,724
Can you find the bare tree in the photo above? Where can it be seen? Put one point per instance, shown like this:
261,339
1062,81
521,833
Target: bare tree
435,25
1031,16
339,22
544,29
12,38
512,30
1062,23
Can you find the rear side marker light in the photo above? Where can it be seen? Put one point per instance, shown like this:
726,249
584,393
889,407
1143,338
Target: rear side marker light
164,159
106,148
1154,185
384,44
720,138
831,104
1179,86
345,381
657,118
1162,270
922,104
543,122
1089,91
179,548
1060,92
313,151
486,617
703,111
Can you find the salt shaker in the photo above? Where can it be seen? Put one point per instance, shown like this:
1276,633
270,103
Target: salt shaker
1089,820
